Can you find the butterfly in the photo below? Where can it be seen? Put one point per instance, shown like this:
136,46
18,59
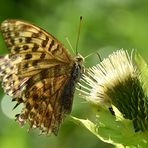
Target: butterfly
40,73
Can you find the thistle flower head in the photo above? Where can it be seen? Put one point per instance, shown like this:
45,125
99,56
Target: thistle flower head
115,81
105,76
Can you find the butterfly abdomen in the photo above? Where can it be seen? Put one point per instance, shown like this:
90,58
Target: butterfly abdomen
69,89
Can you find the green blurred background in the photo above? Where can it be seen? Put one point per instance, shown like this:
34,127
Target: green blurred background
107,25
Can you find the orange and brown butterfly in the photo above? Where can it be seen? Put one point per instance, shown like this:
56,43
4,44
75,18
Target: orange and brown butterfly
40,73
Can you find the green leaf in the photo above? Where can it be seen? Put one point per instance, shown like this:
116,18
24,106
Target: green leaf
142,69
141,63
116,131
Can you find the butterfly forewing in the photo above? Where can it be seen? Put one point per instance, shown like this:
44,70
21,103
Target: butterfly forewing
31,38
40,73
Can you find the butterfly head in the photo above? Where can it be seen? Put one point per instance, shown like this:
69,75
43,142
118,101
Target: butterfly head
79,59
79,67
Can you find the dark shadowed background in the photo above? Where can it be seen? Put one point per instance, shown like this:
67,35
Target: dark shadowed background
107,25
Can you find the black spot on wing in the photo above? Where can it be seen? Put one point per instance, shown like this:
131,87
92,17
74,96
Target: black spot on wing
28,56
25,47
17,49
20,40
43,55
26,65
27,39
56,49
44,42
51,44
35,47
35,35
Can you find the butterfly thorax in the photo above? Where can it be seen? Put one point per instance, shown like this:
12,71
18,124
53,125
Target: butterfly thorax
79,59
69,88
78,68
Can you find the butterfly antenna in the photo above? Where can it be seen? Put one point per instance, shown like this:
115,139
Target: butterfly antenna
99,57
89,55
78,35
93,54
70,45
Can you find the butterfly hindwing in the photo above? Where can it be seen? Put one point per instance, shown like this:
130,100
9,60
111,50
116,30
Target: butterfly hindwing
43,106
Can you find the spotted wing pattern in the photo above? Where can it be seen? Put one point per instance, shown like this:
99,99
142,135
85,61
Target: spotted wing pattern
35,73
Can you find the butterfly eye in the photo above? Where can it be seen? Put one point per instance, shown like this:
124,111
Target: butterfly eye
79,59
